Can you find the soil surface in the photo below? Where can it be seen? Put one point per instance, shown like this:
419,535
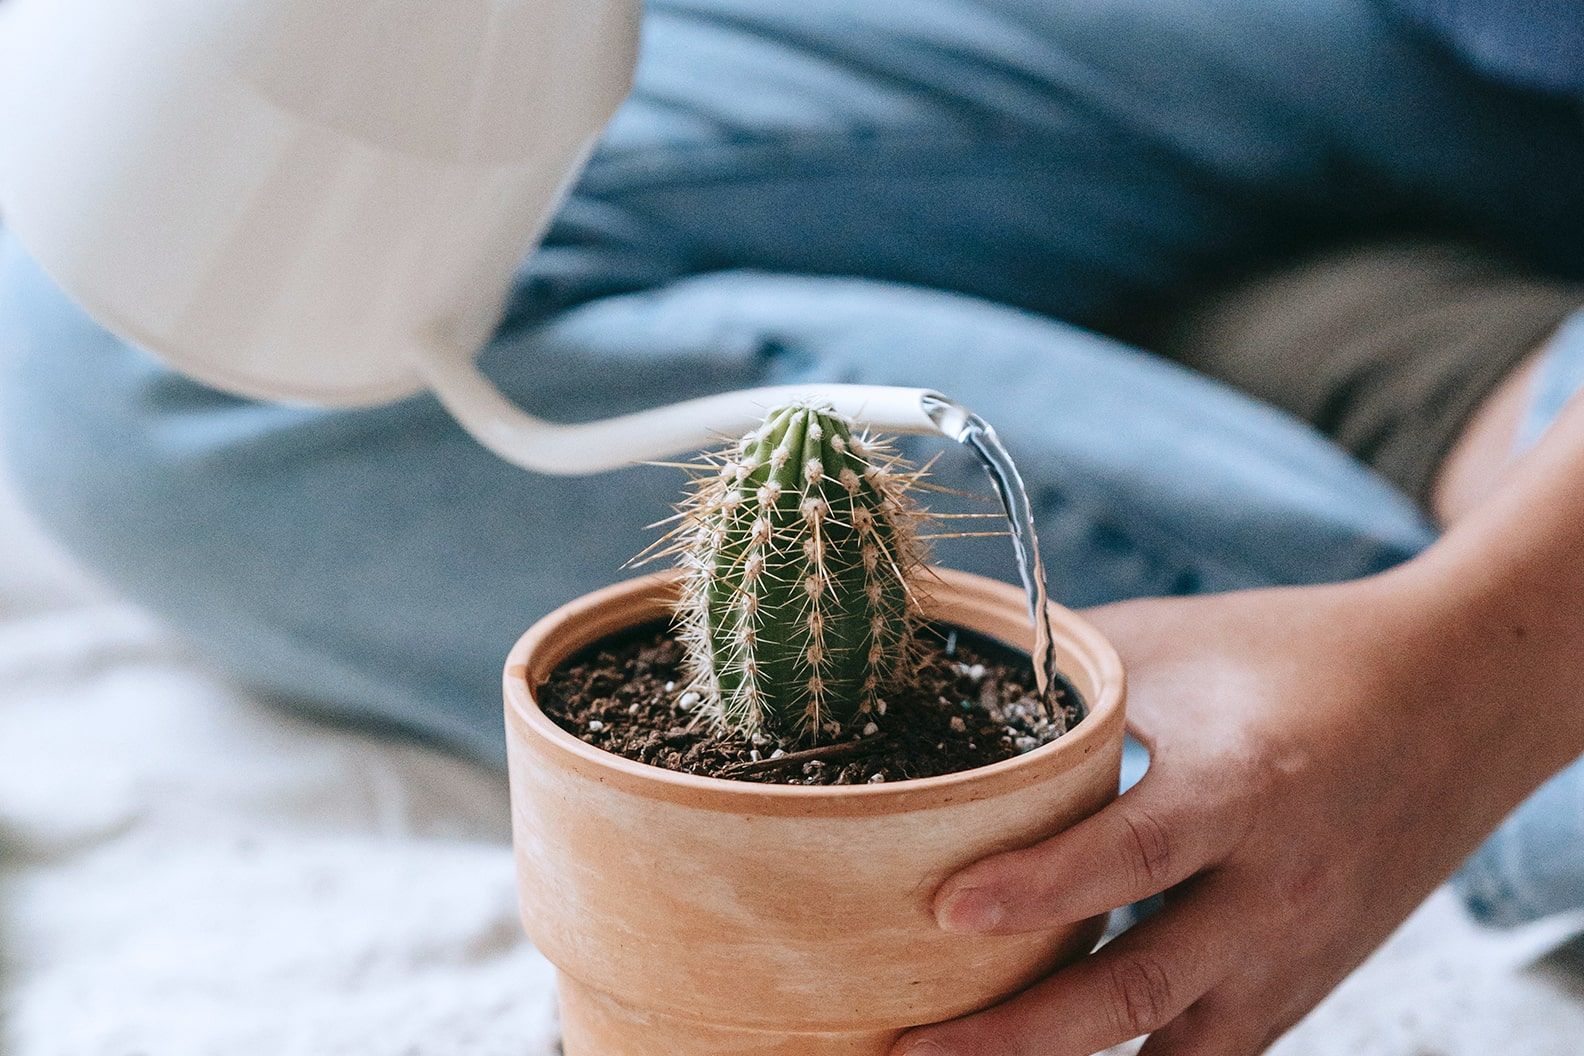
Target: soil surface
972,704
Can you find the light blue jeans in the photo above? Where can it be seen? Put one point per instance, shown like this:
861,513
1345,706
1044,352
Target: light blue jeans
952,193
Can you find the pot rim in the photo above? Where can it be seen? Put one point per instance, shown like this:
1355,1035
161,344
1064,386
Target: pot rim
576,625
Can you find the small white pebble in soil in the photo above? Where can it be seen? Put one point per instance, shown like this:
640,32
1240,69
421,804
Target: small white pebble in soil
877,779
689,700
870,730
958,724
778,753
880,706
670,687
595,726
977,672
753,753
1026,744
632,709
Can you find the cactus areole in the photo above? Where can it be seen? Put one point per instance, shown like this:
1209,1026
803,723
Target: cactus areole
801,565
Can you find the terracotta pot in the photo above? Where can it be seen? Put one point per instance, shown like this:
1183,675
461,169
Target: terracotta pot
693,916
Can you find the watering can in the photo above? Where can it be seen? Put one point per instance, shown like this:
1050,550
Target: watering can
324,201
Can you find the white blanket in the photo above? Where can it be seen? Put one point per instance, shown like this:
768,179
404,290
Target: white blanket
188,872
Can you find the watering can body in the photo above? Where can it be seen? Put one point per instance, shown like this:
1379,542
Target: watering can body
277,196
324,201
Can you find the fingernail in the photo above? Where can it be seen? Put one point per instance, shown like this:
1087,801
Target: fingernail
972,911
925,1048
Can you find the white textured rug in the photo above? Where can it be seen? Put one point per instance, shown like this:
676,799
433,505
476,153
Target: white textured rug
186,872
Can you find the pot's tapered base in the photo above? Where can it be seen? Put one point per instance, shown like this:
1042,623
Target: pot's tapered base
595,1024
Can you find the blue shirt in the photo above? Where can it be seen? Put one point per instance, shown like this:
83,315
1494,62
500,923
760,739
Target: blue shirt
1534,43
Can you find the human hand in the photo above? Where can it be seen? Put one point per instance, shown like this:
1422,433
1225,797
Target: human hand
1322,759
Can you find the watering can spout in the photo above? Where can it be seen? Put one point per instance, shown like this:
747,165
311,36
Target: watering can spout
663,432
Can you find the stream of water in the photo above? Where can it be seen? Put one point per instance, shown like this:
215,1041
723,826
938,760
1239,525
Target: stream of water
973,432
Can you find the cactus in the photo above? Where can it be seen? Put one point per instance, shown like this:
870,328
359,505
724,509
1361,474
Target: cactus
801,562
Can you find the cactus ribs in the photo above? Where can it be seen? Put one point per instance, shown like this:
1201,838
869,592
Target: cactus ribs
802,577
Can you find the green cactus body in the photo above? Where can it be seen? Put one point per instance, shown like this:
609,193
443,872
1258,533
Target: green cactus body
800,607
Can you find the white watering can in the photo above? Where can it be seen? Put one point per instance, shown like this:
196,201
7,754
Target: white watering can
324,201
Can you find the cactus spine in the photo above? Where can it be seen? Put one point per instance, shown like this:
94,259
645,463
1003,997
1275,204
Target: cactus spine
800,554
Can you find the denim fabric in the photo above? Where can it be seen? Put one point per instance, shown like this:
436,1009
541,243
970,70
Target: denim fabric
929,192
1537,42
1561,375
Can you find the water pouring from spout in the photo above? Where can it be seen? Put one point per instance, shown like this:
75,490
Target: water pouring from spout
973,432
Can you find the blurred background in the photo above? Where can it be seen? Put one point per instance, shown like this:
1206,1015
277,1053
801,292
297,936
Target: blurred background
188,868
